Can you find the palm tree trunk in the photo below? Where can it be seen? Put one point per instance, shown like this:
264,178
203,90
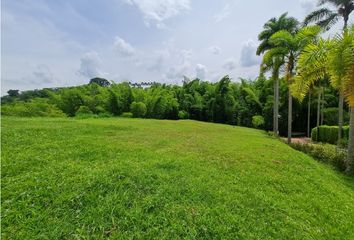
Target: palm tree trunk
350,158
322,105
346,18
290,111
274,116
276,102
309,114
318,114
340,117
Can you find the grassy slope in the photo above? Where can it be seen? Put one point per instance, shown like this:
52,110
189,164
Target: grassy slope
125,178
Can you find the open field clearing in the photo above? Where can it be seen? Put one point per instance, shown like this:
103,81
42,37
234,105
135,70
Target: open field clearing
159,179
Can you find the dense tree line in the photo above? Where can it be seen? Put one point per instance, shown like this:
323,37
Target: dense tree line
245,102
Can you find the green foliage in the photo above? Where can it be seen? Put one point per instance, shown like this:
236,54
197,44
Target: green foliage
330,116
13,93
83,110
70,101
328,134
127,115
183,115
138,109
223,102
85,115
326,18
257,121
325,153
34,108
149,179
100,81
114,105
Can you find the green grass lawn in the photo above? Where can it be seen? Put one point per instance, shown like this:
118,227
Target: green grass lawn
150,179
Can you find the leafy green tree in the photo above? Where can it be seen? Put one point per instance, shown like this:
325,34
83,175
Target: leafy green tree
13,93
70,101
100,81
114,105
138,109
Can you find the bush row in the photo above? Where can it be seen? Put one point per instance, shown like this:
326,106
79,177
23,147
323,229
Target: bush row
328,134
33,108
325,153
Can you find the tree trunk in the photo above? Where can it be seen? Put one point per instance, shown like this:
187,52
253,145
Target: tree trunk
290,117
309,115
346,18
318,114
350,158
340,117
276,102
322,105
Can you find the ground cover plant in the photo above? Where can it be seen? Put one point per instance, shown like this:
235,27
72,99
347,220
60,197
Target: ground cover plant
126,178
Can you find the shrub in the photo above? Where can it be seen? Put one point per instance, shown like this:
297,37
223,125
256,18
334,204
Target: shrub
92,115
85,115
104,115
83,110
328,134
330,116
326,153
100,109
34,108
127,115
183,115
257,121
138,109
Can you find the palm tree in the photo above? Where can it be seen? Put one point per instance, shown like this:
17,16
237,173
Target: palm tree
290,46
335,58
326,18
272,26
312,68
341,70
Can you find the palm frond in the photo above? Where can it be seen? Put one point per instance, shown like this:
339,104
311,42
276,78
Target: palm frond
317,15
311,68
282,38
329,21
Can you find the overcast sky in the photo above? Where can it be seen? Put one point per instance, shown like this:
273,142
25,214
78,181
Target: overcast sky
49,43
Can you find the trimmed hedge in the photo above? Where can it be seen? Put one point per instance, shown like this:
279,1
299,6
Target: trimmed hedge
328,134
325,153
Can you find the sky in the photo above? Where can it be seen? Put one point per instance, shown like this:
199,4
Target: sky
49,43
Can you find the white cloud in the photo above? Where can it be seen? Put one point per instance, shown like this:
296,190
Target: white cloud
90,65
248,54
308,5
230,64
155,12
182,67
215,50
43,74
159,60
223,14
123,48
201,71
185,56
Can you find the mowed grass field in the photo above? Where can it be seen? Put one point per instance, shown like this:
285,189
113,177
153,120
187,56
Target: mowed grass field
157,179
